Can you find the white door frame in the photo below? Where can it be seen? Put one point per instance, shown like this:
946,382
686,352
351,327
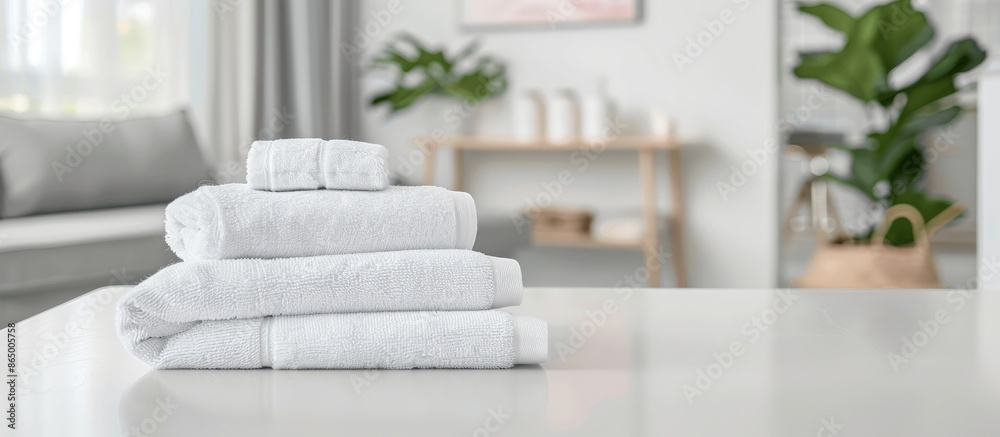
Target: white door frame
988,144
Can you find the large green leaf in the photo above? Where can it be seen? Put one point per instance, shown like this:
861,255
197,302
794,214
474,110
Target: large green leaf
831,15
865,168
899,156
939,81
919,124
911,127
864,174
857,69
902,31
960,56
402,97
427,58
486,79
909,169
890,159
907,173
392,56
923,94
474,85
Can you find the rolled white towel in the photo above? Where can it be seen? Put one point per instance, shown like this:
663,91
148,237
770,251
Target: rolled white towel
234,221
312,163
376,340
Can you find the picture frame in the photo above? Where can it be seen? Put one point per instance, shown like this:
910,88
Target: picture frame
487,15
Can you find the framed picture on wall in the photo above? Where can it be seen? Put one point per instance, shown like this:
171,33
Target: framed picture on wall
555,14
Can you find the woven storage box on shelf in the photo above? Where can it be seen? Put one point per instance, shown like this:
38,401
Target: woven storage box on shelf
562,222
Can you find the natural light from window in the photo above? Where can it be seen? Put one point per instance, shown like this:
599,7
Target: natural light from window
75,57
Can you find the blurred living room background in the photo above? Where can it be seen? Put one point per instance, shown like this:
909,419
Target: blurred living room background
608,143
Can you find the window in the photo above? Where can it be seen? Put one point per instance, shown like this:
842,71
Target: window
81,57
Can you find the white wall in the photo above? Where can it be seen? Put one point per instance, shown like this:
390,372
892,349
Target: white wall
724,104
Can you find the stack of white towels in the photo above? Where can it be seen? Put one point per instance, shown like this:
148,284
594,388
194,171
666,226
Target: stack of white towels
317,263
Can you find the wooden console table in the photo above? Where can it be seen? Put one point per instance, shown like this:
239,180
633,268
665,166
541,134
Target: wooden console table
646,148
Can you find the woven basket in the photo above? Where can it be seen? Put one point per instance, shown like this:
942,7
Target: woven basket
876,265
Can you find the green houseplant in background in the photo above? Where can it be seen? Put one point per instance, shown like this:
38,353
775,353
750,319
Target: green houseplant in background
888,167
424,72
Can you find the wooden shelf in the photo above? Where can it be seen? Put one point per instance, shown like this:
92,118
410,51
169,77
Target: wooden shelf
582,242
516,144
646,147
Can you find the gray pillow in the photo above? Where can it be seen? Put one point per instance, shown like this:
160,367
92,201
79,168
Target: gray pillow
54,166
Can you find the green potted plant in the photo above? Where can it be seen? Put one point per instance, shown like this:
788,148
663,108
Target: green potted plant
422,72
888,167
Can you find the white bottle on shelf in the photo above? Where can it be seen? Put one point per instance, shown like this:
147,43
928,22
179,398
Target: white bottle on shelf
528,116
596,112
563,117
660,124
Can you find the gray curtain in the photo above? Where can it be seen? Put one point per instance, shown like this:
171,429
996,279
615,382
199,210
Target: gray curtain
275,70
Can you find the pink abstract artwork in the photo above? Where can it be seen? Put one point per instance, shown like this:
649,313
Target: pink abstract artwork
546,12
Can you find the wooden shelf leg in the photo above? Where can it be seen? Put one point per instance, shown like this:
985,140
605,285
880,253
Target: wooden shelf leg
677,217
430,155
650,213
459,159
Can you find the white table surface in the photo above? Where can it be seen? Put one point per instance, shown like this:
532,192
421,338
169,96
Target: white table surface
821,367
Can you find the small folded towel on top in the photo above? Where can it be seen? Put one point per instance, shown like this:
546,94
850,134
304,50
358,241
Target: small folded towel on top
165,339
312,163
234,221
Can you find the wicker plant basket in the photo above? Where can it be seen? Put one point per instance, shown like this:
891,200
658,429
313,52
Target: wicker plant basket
876,265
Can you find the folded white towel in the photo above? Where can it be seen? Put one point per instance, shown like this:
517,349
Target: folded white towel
409,280
312,163
379,340
234,221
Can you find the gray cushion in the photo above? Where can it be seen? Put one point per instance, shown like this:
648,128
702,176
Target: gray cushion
107,246
55,166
